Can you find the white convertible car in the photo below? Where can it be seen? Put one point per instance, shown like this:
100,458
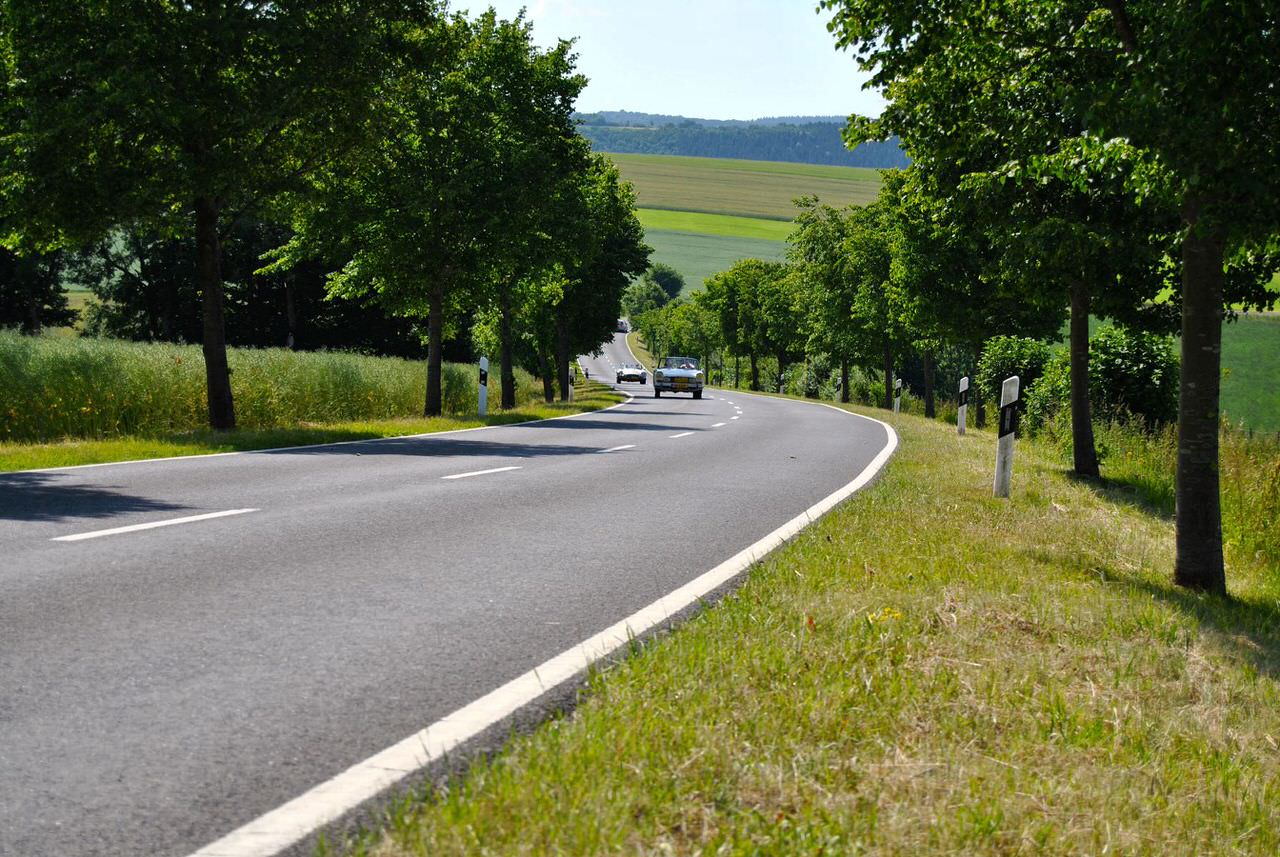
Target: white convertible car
677,375
632,372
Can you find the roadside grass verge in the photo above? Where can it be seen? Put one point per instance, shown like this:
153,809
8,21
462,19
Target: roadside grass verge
53,388
636,343
926,670
589,396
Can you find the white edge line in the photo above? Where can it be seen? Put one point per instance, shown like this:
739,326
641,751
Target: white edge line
288,824
481,472
133,528
204,456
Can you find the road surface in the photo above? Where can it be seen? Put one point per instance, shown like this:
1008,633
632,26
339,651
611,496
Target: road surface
160,686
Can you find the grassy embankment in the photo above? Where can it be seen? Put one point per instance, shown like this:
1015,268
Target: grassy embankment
703,214
927,670
84,401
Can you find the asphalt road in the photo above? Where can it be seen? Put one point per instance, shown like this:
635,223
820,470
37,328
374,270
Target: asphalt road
161,687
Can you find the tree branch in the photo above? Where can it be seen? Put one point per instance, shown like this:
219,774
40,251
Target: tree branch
1124,27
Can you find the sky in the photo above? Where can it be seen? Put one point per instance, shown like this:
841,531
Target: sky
711,59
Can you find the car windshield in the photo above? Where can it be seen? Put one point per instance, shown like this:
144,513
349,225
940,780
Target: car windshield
679,363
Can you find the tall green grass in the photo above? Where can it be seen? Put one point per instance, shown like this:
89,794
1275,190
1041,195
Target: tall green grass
53,387
1141,465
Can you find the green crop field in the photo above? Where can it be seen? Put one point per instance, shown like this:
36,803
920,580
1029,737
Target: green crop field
698,256
762,189
714,224
1251,371
703,214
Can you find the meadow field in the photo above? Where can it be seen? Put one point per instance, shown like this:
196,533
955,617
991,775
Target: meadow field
1251,371
745,188
698,255
703,214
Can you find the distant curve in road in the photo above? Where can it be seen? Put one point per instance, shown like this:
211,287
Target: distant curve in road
223,633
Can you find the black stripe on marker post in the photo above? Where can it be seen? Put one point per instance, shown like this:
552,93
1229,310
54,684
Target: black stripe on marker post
484,377
964,397
1009,418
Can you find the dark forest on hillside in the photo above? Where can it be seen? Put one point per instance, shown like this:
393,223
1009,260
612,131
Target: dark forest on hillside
805,140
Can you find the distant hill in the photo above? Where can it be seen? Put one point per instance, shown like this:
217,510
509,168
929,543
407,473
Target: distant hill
793,139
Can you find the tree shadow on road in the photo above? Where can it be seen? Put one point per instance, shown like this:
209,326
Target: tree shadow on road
438,447
57,497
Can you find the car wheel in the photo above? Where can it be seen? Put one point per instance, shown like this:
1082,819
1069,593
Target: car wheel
644,379
697,394
657,394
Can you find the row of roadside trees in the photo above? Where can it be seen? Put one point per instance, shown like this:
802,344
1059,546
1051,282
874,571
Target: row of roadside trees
1071,160
1111,149
427,161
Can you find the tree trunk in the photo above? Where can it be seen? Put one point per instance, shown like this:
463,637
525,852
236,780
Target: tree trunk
844,381
930,409
755,372
562,355
435,352
548,378
888,378
737,371
508,362
222,411
1198,563
290,313
782,371
168,308
32,325
1084,452
975,394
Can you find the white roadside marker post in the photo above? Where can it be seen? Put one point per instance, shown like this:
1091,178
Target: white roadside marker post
897,395
484,386
963,412
1008,427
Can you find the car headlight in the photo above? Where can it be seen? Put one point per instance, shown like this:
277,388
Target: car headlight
657,374
698,376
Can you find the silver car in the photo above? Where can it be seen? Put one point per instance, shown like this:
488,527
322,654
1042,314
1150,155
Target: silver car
677,375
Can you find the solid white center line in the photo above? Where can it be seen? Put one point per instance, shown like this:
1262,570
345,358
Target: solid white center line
717,425
133,528
619,448
480,472
682,434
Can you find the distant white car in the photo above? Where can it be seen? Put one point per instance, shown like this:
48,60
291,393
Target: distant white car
632,372
677,375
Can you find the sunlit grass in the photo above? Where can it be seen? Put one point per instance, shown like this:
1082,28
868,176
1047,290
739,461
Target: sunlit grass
54,387
927,670
714,224
66,453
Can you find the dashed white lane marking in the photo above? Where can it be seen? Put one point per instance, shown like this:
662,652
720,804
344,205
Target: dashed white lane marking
682,434
717,425
133,528
619,448
481,472
271,833
736,416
